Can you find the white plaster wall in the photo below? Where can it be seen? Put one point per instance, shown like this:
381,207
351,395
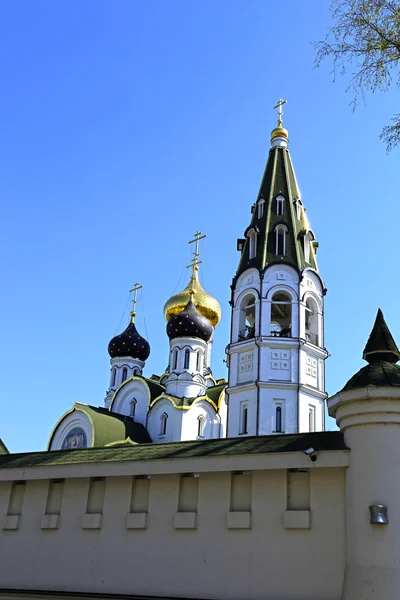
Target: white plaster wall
265,562
132,389
235,398
268,398
174,422
306,400
190,422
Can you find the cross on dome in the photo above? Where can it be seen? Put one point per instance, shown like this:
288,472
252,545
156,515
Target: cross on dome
135,290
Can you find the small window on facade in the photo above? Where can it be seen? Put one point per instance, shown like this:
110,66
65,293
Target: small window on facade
278,419
298,204
187,359
252,245
198,360
133,407
175,359
163,425
280,205
261,204
311,418
280,240
113,376
281,315
243,419
201,423
124,373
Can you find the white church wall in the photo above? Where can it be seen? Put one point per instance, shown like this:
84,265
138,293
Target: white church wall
310,403
173,426
190,422
124,401
267,560
270,400
241,399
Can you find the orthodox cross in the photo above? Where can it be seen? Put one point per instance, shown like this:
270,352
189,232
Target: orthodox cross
195,261
279,105
135,290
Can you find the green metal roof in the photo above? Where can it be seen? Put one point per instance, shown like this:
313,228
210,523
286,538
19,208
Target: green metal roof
3,447
381,345
108,427
279,178
324,440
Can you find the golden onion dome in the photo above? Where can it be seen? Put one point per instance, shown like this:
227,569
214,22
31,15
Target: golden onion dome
206,305
279,131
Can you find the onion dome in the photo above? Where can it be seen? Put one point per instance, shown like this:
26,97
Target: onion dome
129,343
205,304
382,354
189,323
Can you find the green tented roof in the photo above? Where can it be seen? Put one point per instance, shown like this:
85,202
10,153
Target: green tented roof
279,178
109,427
3,447
321,441
382,353
381,345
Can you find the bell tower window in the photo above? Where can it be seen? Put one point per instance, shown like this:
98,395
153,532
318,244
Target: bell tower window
252,244
280,205
260,206
311,321
281,315
247,319
243,418
280,240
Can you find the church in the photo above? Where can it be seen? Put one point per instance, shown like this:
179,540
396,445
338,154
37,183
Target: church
185,485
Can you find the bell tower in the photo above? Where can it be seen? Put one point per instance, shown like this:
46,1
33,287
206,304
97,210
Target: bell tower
276,352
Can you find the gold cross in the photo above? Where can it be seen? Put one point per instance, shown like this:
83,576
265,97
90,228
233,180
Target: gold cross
195,260
279,105
135,290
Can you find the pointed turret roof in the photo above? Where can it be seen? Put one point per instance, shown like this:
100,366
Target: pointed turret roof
382,353
381,345
279,178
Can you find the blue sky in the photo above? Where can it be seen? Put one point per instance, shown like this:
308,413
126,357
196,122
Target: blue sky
125,127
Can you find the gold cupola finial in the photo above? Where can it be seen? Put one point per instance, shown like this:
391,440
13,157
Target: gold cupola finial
279,135
135,290
206,305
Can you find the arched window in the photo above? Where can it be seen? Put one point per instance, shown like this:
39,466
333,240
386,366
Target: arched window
243,418
201,423
311,321
298,204
198,361
280,240
187,359
124,373
247,319
280,205
252,244
281,315
113,376
306,240
163,424
311,418
132,407
175,359
278,419
260,206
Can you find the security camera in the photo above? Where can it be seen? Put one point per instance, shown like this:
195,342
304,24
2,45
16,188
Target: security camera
311,453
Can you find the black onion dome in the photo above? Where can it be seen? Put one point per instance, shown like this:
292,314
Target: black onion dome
129,343
189,323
